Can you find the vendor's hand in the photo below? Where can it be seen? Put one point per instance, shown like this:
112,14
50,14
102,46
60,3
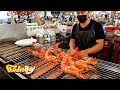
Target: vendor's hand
69,50
83,53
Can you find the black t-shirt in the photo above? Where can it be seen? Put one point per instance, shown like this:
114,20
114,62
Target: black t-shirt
99,32
98,29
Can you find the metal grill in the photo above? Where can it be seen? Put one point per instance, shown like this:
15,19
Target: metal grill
10,52
47,70
105,70
43,68
67,76
108,70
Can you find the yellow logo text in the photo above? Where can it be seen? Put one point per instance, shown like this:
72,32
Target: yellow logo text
18,69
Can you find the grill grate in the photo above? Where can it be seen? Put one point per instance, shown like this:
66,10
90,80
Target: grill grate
52,74
41,65
46,70
67,76
10,52
105,70
108,70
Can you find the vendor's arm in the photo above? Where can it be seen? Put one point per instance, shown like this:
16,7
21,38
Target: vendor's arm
72,40
99,36
72,43
96,48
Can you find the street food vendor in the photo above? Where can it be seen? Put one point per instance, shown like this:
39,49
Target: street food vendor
88,35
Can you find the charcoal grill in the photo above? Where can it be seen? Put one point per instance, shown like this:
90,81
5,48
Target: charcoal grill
10,53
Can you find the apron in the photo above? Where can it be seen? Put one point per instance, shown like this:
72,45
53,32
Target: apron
85,39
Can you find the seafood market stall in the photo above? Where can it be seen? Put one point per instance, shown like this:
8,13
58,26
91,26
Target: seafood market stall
40,60
11,54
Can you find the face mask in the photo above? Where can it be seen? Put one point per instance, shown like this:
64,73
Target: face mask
82,18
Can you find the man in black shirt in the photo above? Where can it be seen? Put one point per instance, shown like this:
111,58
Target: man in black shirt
88,35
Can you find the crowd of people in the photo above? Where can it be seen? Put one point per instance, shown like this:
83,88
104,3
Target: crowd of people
105,20
23,18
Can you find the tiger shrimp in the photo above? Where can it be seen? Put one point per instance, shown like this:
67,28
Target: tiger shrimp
90,60
83,65
49,57
75,53
68,67
72,53
59,54
34,53
42,51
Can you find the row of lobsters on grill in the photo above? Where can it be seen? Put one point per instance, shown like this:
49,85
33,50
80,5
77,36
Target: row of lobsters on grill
71,62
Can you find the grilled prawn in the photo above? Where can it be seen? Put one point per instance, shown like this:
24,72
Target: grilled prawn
34,53
42,51
58,53
49,57
68,67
